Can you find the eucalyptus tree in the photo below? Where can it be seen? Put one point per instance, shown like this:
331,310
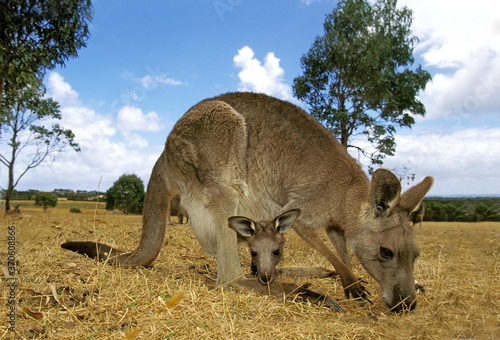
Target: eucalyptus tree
35,36
359,79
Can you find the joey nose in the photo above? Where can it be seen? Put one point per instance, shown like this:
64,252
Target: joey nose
265,279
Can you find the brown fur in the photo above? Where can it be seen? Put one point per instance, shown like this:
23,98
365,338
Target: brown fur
265,240
418,215
177,209
15,211
256,156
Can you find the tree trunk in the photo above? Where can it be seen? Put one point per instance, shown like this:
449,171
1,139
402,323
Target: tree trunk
10,185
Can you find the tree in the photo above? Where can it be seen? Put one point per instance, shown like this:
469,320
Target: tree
483,212
45,200
358,78
126,194
27,132
35,36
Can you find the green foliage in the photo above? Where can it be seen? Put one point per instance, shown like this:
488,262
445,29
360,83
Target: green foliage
70,195
358,78
35,36
29,134
462,209
75,210
126,195
45,200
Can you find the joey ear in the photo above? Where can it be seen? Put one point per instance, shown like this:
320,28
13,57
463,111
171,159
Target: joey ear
385,189
411,198
285,221
242,225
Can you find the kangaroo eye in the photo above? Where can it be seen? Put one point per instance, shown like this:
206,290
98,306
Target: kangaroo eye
277,252
386,254
253,253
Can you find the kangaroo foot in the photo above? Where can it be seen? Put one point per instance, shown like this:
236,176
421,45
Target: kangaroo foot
318,272
289,290
317,298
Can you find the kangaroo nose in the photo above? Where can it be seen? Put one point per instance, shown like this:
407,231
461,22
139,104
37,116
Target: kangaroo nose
405,306
265,279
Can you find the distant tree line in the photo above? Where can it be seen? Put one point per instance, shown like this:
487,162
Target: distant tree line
127,195
475,209
72,195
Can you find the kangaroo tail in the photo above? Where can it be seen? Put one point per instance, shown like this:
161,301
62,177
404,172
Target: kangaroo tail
93,250
154,223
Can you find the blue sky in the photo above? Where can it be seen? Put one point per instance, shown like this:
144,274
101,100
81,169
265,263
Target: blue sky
147,62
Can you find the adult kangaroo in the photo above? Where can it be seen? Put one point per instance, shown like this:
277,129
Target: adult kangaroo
253,155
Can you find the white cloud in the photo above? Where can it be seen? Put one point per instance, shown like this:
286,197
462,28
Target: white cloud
470,91
103,154
460,40
310,2
61,91
263,78
150,82
464,161
88,126
132,118
452,31
136,141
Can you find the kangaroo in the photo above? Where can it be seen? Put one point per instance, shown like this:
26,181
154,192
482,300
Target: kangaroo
15,211
265,240
177,209
254,155
418,215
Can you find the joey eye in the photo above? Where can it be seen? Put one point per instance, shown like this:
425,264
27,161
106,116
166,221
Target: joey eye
253,253
386,253
276,252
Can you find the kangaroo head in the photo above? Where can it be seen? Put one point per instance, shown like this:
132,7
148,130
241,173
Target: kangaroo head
385,244
265,240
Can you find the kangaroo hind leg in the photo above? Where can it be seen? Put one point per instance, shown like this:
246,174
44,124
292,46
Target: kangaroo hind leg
212,177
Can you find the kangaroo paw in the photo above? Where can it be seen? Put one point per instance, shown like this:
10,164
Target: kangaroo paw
357,289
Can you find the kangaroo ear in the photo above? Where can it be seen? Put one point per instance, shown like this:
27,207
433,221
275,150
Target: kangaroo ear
285,221
411,198
242,225
385,189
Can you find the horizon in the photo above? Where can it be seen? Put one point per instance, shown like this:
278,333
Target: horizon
104,192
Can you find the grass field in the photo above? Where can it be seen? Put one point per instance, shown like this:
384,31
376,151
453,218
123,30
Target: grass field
62,295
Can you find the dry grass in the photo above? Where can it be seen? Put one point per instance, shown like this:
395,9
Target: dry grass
62,295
